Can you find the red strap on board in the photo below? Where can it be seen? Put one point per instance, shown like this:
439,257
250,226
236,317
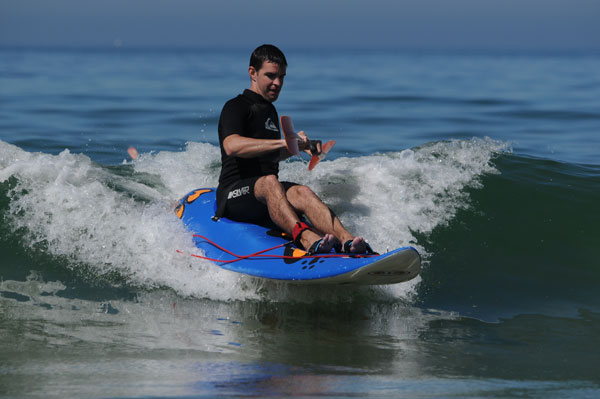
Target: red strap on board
299,228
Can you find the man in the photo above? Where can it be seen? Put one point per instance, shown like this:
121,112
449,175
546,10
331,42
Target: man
251,149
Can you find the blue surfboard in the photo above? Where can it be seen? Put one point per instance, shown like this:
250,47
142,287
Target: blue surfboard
268,253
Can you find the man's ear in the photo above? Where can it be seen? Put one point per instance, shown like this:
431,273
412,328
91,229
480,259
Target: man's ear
253,73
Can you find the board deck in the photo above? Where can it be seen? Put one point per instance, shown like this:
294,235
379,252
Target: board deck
286,262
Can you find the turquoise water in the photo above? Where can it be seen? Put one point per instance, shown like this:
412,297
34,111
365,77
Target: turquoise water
487,163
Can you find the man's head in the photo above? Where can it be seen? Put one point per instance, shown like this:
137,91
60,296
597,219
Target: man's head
267,52
267,70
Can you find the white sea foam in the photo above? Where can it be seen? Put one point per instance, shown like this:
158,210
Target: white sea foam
76,209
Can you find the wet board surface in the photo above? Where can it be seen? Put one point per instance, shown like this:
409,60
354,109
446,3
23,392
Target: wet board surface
228,243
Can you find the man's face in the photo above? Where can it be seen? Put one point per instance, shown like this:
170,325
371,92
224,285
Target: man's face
268,80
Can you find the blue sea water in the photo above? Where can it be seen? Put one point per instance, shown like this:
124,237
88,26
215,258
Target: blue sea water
488,163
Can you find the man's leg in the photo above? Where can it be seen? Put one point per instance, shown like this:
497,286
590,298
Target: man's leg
269,190
304,200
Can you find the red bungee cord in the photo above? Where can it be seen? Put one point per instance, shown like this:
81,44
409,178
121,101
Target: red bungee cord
262,255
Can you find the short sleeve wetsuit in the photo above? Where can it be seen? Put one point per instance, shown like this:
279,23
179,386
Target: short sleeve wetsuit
248,115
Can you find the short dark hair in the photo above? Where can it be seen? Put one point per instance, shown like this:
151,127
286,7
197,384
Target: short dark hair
267,52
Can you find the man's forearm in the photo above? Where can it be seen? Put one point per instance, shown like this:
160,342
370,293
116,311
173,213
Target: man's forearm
246,147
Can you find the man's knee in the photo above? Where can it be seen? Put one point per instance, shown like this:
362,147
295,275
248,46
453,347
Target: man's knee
300,194
267,185
303,191
269,181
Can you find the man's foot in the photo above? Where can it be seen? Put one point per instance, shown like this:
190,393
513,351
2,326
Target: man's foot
323,245
357,245
305,238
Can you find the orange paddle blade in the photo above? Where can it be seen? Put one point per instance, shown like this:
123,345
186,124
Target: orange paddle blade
133,153
290,136
317,158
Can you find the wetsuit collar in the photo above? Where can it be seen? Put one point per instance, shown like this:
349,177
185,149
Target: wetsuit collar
255,97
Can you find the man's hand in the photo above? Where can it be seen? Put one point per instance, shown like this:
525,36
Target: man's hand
311,147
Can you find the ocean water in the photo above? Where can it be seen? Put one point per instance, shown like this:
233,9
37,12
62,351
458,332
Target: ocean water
488,163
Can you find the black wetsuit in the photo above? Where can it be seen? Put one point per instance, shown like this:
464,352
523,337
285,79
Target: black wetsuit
248,115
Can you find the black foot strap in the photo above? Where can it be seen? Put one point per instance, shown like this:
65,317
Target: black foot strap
348,245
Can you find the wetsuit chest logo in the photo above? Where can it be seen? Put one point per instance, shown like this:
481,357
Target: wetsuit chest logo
270,125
